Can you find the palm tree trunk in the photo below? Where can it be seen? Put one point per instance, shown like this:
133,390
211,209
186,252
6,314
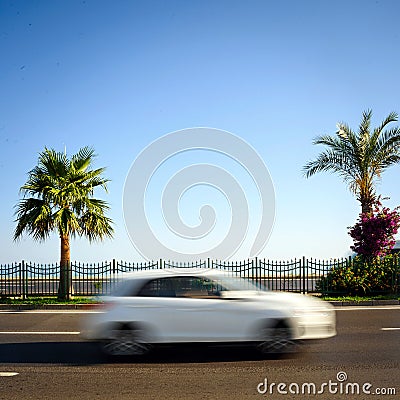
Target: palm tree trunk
366,205
366,208
65,289
367,200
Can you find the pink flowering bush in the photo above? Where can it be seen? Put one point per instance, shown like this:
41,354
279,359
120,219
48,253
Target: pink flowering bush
373,234
374,270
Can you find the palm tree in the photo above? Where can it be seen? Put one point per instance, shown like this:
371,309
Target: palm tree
58,196
359,158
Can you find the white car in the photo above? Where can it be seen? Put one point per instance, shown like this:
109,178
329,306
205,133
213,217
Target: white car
191,305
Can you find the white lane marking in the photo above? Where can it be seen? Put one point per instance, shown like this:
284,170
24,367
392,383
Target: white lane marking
39,333
365,308
390,329
8,374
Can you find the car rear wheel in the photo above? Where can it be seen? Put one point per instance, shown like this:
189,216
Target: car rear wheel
277,340
125,341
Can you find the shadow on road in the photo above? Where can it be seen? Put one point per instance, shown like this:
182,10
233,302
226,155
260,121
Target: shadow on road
83,353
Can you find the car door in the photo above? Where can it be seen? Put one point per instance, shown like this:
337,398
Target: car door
200,313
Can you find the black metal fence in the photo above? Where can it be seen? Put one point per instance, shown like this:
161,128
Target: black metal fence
26,279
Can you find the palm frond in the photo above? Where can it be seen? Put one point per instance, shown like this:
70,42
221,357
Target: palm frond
392,117
364,128
344,132
33,217
328,160
82,160
53,163
95,225
387,150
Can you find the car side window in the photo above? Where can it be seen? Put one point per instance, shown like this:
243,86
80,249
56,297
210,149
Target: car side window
162,287
198,288
182,286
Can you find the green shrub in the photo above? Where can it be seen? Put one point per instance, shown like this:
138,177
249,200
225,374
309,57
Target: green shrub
360,278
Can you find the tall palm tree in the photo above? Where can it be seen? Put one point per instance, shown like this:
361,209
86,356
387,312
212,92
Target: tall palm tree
58,196
359,158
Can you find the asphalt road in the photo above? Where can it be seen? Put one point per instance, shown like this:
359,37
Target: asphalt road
58,365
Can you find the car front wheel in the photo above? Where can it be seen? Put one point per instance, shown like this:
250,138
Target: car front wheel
277,340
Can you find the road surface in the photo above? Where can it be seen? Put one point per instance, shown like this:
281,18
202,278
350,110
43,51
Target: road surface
51,361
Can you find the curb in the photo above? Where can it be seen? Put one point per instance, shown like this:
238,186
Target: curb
96,306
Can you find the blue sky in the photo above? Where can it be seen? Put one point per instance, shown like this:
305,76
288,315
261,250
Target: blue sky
118,75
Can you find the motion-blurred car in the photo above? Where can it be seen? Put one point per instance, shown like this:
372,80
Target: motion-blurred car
204,306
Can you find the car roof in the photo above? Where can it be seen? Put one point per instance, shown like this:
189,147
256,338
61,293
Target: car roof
169,272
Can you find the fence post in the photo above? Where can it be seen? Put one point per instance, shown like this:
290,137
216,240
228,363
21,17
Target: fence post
160,263
113,266
70,286
21,281
304,275
255,263
22,271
